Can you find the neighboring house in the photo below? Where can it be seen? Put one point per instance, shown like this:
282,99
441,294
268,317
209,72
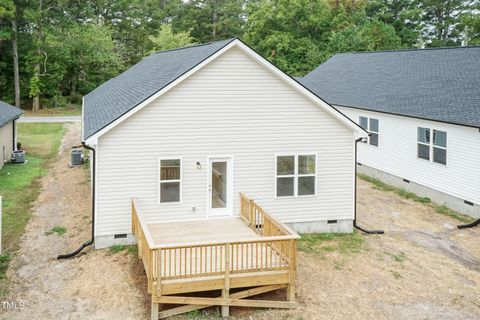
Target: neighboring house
422,109
8,132
184,131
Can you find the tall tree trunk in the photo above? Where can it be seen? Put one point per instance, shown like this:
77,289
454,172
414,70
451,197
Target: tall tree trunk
73,86
16,76
36,70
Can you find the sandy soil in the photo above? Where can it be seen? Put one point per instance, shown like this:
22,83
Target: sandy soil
97,284
437,276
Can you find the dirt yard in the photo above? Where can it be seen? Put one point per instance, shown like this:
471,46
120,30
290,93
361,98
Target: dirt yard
422,268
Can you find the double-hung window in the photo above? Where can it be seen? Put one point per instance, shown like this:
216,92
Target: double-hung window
296,175
170,180
432,145
371,126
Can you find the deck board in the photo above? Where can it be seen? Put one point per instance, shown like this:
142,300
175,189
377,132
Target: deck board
201,231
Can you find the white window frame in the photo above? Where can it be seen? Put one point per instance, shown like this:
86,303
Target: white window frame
367,141
431,145
159,180
295,174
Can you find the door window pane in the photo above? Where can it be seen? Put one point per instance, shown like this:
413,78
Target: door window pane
285,165
306,164
285,187
439,155
440,138
306,185
423,135
423,151
219,184
170,191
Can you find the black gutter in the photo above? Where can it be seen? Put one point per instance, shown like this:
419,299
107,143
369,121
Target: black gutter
469,225
355,199
89,242
407,116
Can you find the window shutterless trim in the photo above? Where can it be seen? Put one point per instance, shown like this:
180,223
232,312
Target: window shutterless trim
368,140
159,181
295,174
431,146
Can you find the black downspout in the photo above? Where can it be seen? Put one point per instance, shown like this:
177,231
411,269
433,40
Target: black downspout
469,225
89,242
355,199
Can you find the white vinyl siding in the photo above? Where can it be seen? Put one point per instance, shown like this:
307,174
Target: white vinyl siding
6,142
397,154
235,107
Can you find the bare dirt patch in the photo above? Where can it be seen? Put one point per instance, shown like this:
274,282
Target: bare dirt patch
422,268
97,284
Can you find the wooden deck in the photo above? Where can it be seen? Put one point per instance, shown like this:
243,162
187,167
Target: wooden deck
254,252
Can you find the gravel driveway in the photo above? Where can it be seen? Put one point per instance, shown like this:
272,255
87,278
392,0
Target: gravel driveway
50,119
422,268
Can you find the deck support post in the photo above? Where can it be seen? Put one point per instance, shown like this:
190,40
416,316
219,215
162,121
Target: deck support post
292,271
154,311
226,289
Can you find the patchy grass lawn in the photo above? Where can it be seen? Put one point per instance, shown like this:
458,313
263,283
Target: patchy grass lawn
441,209
323,243
58,230
20,183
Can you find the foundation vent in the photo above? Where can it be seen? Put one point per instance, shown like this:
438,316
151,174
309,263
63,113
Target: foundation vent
468,203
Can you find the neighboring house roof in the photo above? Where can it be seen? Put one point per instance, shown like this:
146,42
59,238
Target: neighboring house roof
8,113
119,95
440,84
125,94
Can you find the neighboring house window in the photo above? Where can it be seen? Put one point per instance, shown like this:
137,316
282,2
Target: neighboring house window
170,180
371,126
432,145
296,175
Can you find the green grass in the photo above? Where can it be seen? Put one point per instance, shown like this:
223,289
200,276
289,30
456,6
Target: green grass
4,260
398,257
396,274
322,243
441,209
58,230
116,248
20,183
379,185
133,249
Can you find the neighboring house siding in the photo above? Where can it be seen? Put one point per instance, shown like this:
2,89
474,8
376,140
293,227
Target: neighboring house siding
397,154
6,142
233,106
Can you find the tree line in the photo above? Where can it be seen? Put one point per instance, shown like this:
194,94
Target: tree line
52,52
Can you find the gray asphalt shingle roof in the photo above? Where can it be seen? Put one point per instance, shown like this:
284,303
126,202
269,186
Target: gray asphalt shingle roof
8,113
438,84
119,95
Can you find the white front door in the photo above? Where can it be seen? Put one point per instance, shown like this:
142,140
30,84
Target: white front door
220,186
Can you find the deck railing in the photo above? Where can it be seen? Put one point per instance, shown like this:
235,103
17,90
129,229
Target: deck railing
275,249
